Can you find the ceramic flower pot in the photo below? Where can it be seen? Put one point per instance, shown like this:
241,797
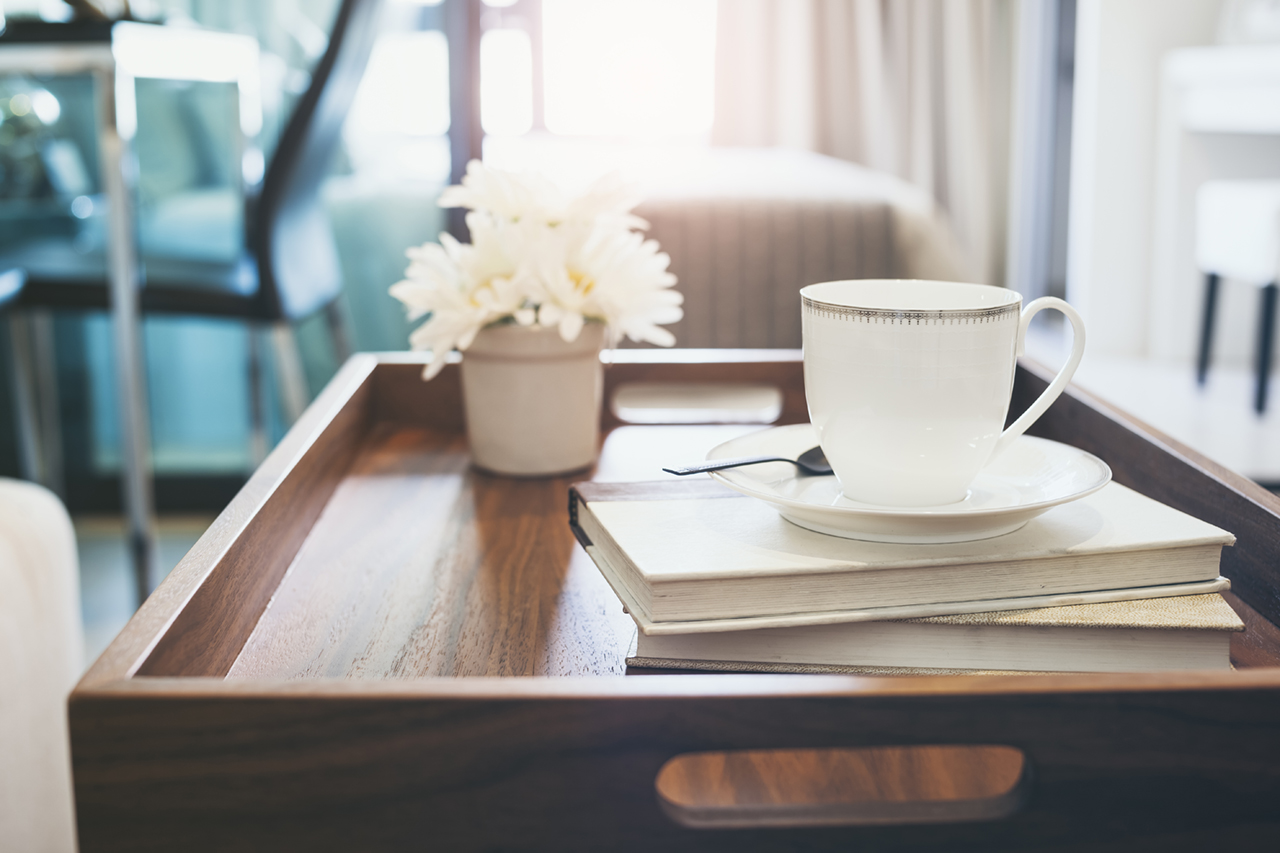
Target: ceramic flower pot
532,400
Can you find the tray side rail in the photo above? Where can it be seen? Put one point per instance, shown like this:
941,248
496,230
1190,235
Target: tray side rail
1114,769
198,619
783,369
1163,468
401,395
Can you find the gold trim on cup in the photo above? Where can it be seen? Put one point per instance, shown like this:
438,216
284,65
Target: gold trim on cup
904,317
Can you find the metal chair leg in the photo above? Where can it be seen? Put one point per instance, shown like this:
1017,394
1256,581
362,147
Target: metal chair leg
1265,345
136,456
46,394
126,326
337,322
257,405
24,403
1206,328
293,381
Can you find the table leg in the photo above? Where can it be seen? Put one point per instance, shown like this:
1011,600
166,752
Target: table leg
1206,326
118,171
1266,337
290,375
257,404
43,351
30,459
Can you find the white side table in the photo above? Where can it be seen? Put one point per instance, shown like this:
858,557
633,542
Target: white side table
1219,119
1238,238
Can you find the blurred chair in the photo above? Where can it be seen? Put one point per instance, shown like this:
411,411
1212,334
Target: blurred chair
1238,238
289,269
40,660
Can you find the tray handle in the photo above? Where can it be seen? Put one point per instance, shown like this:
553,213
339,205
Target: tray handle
866,786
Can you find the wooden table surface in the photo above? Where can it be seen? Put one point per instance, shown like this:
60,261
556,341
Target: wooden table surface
420,565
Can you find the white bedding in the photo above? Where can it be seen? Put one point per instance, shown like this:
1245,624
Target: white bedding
747,228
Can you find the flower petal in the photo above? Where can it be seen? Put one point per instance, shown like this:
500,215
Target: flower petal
570,327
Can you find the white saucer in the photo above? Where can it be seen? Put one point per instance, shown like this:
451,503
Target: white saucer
1033,475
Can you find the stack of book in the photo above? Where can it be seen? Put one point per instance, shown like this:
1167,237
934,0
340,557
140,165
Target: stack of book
1115,582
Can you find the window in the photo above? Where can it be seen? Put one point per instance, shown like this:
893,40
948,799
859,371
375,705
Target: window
506,82
621,69
629,68
397,123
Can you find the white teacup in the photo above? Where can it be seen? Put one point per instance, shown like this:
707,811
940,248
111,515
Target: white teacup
908,382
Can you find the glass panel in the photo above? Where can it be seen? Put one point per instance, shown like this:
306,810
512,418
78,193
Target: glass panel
197,378
380,197
398,158
50,208
190,196
190,204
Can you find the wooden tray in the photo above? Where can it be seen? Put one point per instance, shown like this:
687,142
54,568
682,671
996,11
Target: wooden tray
376,647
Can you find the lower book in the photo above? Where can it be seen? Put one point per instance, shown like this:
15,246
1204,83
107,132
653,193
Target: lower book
1142,635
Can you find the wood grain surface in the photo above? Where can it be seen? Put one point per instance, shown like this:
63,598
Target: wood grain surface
420,567
208,633
262,521
371,598
400,395
842,787
570,764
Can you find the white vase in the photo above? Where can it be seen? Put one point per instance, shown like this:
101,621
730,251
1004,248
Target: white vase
532,400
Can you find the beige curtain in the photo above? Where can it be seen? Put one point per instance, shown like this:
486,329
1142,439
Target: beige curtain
917,88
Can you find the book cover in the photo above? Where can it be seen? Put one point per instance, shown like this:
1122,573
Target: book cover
1185,632
689,552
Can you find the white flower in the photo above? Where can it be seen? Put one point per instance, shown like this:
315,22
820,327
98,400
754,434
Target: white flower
462,287
541,258
533,200
612,275
501,194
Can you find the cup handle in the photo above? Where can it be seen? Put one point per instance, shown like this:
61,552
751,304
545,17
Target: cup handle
1059,383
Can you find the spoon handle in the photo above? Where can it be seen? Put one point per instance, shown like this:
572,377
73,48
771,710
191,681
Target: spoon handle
721,464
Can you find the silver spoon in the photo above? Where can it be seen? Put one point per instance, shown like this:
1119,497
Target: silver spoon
812,461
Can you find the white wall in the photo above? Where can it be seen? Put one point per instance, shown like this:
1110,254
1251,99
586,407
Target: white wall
1119,48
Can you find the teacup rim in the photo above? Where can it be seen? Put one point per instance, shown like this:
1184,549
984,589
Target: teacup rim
1008,300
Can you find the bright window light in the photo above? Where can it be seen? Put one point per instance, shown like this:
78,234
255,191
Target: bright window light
506,82
629,67
178,53
405,88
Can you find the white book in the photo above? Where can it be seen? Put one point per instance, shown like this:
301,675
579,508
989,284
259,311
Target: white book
696,552
1188,632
